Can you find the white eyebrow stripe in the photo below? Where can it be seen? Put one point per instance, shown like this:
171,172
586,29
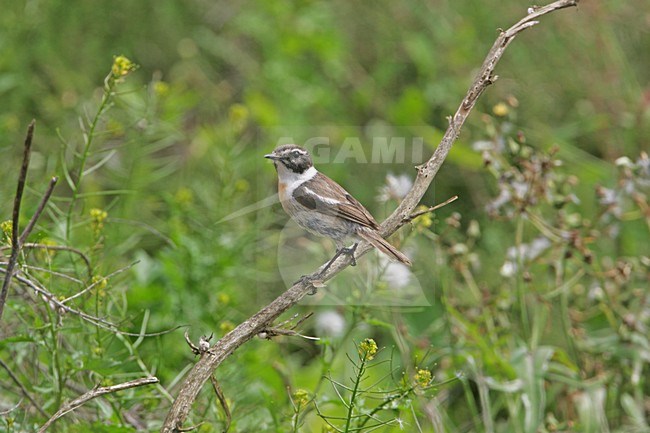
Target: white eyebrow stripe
321,198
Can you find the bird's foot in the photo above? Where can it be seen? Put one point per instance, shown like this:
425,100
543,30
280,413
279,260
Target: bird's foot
349,251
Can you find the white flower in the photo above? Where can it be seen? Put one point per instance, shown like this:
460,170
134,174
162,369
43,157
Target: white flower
396,188
508,269
520,189
623,161
482,145
329,323
397,275
528,252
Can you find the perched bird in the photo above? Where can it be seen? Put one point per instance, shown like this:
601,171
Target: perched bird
323,207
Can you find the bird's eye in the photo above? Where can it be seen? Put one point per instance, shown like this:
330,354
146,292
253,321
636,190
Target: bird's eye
296,153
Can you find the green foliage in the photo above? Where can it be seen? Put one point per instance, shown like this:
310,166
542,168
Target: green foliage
531,312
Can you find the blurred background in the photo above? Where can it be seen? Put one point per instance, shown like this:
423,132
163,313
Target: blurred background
530,307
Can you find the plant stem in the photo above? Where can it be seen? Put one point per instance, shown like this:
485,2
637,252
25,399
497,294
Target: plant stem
109,83
521,289
355,390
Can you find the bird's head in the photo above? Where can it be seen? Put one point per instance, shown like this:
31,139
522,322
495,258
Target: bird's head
291,157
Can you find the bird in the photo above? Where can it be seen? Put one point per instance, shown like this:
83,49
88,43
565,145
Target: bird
323,207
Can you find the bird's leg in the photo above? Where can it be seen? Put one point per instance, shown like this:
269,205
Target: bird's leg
339,251
348,251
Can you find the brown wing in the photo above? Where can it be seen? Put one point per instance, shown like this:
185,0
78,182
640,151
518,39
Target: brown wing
322,194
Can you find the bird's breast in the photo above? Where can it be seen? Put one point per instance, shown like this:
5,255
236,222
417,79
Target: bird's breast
282,191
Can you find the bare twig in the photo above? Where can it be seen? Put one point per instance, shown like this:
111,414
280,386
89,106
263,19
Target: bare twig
15,217
193,347
222,401
94,393
51,272
11,409
100,281
414,215
97,321
203,369
39,211
269,333
23,390
80,253
190,428
280,329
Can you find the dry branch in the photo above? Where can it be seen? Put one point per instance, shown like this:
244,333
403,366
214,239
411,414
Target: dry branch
17,242
210,360
22,387
94,393
15,216
39,211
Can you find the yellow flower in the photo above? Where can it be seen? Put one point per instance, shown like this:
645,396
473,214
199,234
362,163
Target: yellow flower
6,227
100,283
223,298
242,185
500,109
424,221
46,253
98,215
97,218
368,349
184,196
300,397
423,378
226,326
122,66
238,116
161,88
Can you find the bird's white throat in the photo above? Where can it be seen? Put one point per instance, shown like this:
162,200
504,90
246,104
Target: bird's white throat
293,180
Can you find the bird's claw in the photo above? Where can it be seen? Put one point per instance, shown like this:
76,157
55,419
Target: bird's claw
313,282
349,251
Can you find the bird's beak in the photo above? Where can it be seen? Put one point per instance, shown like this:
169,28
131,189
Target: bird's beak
272,156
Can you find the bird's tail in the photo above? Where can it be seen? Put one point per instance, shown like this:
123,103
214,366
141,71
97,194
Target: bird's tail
382,245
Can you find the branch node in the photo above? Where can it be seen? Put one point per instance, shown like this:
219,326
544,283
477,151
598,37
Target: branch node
204,343
195,350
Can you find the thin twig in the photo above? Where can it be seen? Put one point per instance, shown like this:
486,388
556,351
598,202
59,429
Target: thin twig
39,211
94,393
11,409
190,428
102,323
51,272
99,281
414,215
15,218
223,348
83,256
23,390
222,400
283,328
